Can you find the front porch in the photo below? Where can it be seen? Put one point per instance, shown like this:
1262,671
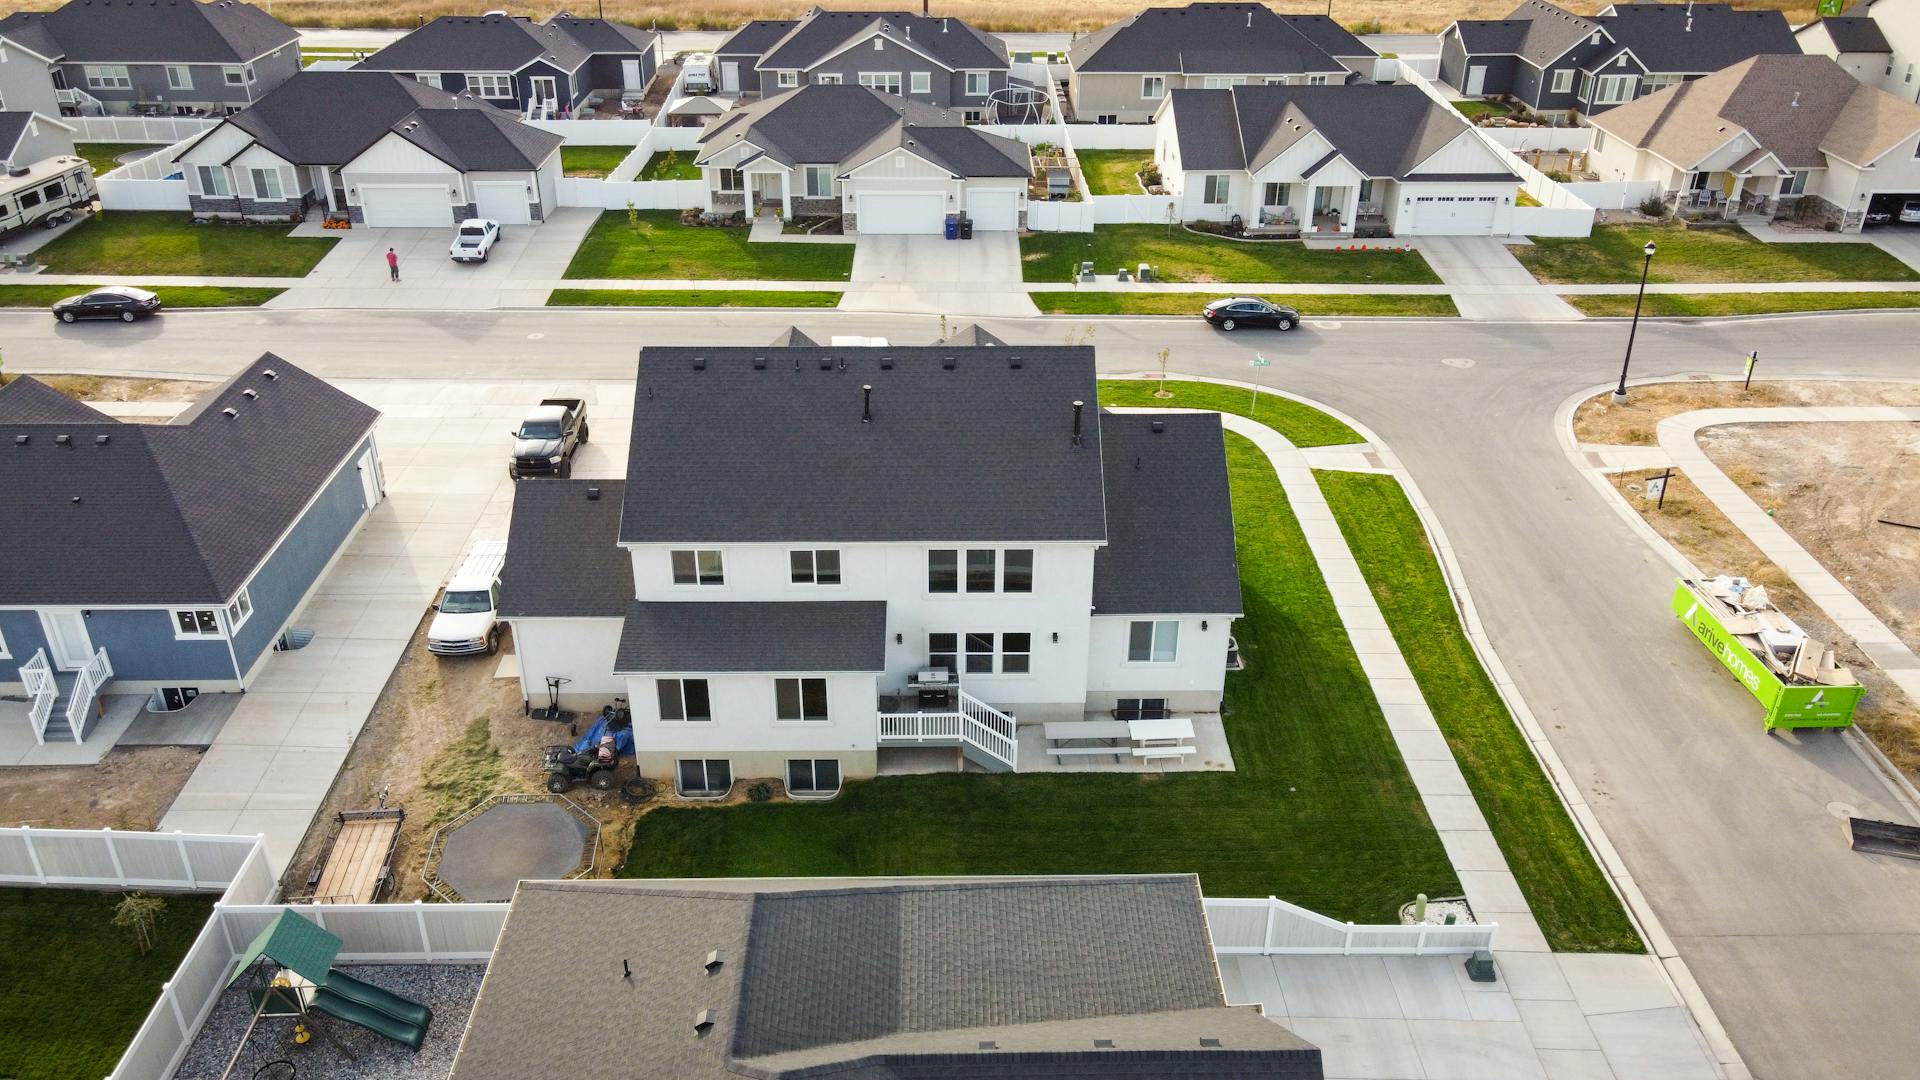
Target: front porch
1326,211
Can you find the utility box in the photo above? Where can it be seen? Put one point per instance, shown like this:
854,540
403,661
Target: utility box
1794,676
1144,272
1086,270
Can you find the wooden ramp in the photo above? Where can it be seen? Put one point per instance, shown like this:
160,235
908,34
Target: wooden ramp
358,864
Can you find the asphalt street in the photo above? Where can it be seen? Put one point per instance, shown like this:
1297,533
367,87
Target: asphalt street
1809,953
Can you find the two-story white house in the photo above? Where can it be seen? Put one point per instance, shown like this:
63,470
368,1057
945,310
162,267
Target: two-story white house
1877,41
819,554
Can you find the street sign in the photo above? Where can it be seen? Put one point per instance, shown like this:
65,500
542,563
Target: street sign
1259,361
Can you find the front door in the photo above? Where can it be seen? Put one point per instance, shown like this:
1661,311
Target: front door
370,481
67,640
630,75
338,185
730,76
1476,80
544,90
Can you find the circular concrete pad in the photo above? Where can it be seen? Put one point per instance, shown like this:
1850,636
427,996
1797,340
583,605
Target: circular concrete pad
484,858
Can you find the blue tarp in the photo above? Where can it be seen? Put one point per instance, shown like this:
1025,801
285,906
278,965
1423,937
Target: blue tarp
622,739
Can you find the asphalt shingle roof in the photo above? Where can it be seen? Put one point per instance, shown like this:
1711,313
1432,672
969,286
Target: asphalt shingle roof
1384,130
1169,518
1854,33
871,979
1699,38
846,126
166,513
1217,38
950,41
756,37
149,32
506,43
27,400
730,452
703,636
564,557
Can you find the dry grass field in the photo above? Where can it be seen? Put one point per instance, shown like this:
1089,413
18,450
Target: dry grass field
1000,15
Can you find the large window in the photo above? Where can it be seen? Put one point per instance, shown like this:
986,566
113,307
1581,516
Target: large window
213,181
800,699
1153,87
943,570
884,81
1017,571
497,87
980,564
1795,184
815,567
1563,80
812,776
1614,89
684,699
1218,185
827,78
1153,642
238,75
112,77
266,184
196,623
702,567
981,652
705,777
942,651
1224,82
819,181
988,570
1016,654
179,77
1316,80
1653,83
977,84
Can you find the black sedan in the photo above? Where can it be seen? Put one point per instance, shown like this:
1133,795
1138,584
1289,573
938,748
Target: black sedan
123,302
1237,311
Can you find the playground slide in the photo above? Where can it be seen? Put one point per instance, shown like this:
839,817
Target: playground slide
410,1012
381,1023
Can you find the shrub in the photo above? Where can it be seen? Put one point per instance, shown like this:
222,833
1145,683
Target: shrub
760,792
1653,206
1560,176
1150,173
1365,26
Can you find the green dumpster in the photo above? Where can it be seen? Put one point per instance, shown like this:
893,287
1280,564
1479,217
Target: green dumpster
1788,705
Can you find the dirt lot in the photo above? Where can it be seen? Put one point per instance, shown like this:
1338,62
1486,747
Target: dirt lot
1599,420
128,789
112,388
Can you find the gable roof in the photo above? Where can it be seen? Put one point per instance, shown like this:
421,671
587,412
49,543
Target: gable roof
756,37
1835,114
870,979
949,41
14,125
171,513
506,43
1216,38
1851,33
1697,38
713,637
145,32
1535,31
1384,130
848,125
983,450
1169,518
27,400
564,557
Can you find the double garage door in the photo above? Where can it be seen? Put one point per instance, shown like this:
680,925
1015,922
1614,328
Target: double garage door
1453,215
925,211
406,206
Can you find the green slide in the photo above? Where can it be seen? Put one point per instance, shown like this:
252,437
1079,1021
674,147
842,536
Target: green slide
410,1012
382,1023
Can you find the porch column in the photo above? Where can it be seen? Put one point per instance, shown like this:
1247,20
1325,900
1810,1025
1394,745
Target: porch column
1733,194
1307,224
712,176
786,195
1350,212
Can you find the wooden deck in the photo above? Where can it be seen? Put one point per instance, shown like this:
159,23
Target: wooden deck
356,867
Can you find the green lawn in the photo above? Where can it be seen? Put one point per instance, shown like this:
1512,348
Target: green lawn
1563,885
671,165
77,988
1113,172
1303,425
1613,254
1320,809
661,248
126,243
103,155
691,298
1473,110
173,296
1161,303
1742,303
593,161
1180,255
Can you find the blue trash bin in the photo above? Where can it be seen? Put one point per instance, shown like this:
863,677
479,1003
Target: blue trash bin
953,226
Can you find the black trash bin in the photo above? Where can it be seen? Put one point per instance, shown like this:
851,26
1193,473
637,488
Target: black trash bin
966,228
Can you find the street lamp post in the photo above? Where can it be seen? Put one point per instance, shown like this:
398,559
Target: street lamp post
1620,392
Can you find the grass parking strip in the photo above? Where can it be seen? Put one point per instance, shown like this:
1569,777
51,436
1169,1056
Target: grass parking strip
656,246
1178,254
126,243
1303,425
1612,255
772,298
1319,810
1570,896
1713,304
172,296
1309,305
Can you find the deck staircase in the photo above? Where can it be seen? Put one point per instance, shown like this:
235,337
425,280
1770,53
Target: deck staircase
985,735
61,703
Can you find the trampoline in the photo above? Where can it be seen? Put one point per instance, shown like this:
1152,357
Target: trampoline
481,855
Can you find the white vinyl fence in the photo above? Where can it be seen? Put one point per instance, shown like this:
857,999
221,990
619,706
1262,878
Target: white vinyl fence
147,129
1044,216
1541,138
1271,926
106,859
1614,194
149,183
1133,209
619,187
1387,69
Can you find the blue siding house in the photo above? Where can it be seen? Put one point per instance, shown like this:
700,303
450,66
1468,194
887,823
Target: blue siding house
162,556
537,69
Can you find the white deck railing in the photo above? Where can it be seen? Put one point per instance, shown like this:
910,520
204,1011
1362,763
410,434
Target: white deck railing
86,686
1271,926
974,723
42,691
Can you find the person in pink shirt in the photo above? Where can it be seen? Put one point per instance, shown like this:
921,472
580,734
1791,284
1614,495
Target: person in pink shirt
393,265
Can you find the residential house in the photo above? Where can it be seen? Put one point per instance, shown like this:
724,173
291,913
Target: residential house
1877,41
1772,135
536,69
27,137
882,163
162,57
935,61
172,556
831,553
393,152
1368,158
1122,73
860,977
1556,63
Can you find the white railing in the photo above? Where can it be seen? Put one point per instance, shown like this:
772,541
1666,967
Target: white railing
1272,926
975,723
86,685
138,129
70,95
42,692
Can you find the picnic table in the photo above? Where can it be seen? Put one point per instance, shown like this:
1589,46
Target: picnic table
1163,737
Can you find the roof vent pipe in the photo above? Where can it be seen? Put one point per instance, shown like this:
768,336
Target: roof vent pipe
1077,407
1795,103
866,403
714,960
703,1021
63,440
1249,19
593,495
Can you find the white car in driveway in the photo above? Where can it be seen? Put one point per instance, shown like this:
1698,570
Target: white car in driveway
473,239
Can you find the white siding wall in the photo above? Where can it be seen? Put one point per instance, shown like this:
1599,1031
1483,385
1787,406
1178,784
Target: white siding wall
214,149
743,729
393,160
580,650
1465,154
1195,679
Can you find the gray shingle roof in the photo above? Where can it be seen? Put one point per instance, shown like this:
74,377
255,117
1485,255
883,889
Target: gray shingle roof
707,637
847,126
1217,38
950,41
867,979
144,32
1698,38
506,43
1169,518
27,400
564,557
983,451
1854,33
169,513
756,37
1384,130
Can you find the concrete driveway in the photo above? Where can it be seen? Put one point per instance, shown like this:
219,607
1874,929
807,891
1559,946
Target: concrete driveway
931,275
1900,241
1487,282
354,274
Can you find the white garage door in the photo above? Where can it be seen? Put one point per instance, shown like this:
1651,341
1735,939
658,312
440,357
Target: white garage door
504,203
406,207
1454,215
901,212
994,211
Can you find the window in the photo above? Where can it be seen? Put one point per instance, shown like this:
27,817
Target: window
427,78
943,570
705,776
1107,118
1795,184
1563,80
972,116
213,181
800,699
1153,642
977,83
497,87
980,569
942,651
788,78
1366,190
819,181
698,568
108,78
1614,89
984,652
1586,86
1017,576
1016,654
979,654
235,76
198,622
885,81
813,776
1153,87
1218,185
827,78
29,200
815,567
1223,82
921,82
731,180
1316,80
1140,708
179,77
1653,83
685,699
4,654
1599,140
1275,195
240,610
266,184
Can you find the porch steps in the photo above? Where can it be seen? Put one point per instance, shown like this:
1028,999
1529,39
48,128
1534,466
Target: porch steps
57,727
977,755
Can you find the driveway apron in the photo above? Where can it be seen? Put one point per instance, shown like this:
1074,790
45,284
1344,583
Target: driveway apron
931,275
1487,282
